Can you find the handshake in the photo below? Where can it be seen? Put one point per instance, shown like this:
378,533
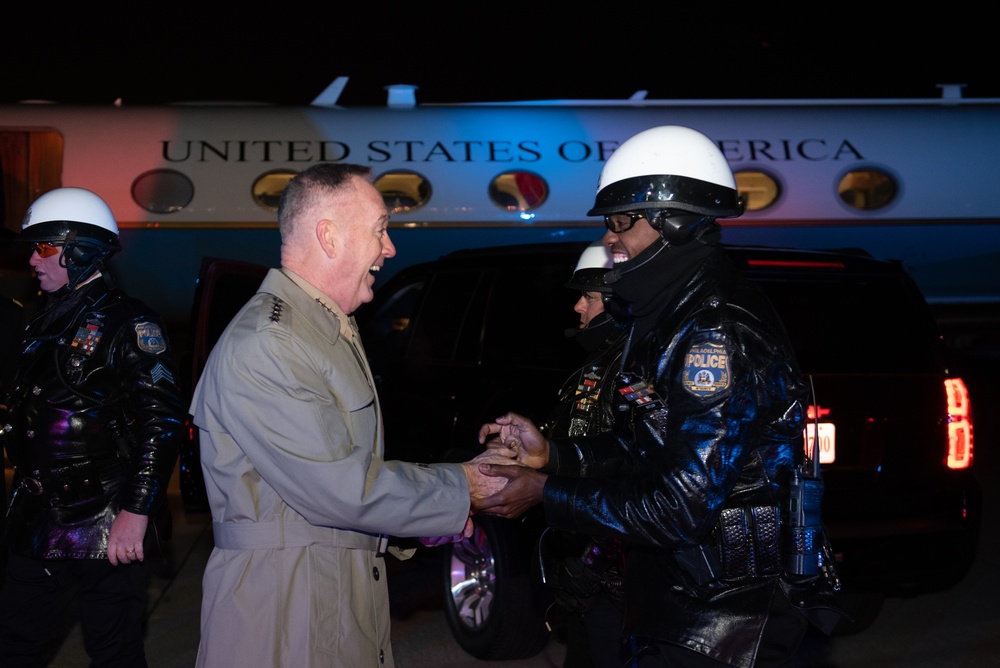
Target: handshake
503,479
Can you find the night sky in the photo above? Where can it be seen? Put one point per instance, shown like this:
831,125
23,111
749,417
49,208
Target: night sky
521,51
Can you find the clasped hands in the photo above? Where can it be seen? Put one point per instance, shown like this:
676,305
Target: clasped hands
503,479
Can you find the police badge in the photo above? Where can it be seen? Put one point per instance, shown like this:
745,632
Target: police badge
150,337
706,369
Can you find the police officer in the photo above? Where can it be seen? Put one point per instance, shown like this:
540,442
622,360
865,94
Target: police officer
584,572
711,406
578,411
91,425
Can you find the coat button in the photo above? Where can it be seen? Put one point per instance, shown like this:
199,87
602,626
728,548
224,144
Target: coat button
375,573
36,390
30,433
381,656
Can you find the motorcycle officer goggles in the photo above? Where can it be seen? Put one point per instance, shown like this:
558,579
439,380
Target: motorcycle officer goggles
622,222
46,250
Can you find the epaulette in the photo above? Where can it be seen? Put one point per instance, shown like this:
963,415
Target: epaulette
276,308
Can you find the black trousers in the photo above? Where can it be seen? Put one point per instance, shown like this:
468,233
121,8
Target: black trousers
112,603
593,638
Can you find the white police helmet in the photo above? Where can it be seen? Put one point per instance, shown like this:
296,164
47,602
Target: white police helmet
672,172
78,220
595,261
53,215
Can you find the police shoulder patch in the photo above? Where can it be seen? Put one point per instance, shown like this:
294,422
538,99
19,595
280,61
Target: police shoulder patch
706,369
150,337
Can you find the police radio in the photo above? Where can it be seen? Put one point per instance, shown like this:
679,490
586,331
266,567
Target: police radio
804,535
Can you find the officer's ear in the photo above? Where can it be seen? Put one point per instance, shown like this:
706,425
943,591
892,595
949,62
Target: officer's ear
327,234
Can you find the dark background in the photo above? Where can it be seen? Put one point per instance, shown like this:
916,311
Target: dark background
287,53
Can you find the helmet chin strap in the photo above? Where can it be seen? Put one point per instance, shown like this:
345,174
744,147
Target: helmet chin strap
695,227
78,274
680,228
619,270
81,259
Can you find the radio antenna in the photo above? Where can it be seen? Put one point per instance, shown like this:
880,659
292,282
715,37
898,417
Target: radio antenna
815,448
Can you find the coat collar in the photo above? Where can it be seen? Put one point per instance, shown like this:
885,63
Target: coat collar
307,302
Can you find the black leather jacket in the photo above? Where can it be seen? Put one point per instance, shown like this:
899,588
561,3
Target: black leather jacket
92,422
713,438
583,407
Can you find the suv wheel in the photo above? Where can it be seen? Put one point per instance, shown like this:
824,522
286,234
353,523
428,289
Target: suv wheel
492,606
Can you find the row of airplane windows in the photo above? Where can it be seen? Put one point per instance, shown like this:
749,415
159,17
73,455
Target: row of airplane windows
165,191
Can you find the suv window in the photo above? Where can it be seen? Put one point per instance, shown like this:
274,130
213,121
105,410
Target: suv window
448,319
867,324
513,315
531,311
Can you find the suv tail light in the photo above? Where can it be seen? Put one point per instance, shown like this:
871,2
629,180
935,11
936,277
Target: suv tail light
959,424
820,434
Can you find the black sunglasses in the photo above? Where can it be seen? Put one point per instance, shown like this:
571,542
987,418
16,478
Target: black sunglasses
622,222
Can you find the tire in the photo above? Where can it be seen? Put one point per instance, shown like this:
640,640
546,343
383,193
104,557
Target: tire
493,606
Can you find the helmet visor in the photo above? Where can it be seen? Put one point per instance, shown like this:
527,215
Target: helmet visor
666,191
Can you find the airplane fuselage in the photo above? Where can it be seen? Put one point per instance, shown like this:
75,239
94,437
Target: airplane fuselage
190,181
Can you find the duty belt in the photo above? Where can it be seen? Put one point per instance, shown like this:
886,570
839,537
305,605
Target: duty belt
743,547
70,483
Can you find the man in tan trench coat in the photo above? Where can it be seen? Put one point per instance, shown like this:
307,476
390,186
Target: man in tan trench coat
291,447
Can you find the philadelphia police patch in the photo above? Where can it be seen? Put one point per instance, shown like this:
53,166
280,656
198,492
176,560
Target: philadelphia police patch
150,337
706,369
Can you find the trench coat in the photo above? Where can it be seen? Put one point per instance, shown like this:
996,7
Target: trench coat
301,498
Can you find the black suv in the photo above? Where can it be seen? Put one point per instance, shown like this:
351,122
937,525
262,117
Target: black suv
456,342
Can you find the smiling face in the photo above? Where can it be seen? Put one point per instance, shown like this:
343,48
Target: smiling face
362,245
51,275
627,244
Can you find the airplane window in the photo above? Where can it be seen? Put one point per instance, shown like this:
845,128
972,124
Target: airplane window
162,191
519,191
403,191
758,189
268,187
867,189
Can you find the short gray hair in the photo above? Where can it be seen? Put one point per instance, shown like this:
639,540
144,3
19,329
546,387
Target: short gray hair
301,192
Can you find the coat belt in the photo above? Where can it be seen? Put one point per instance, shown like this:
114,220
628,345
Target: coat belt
276,535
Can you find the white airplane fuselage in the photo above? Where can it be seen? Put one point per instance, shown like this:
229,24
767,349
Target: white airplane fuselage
943,223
